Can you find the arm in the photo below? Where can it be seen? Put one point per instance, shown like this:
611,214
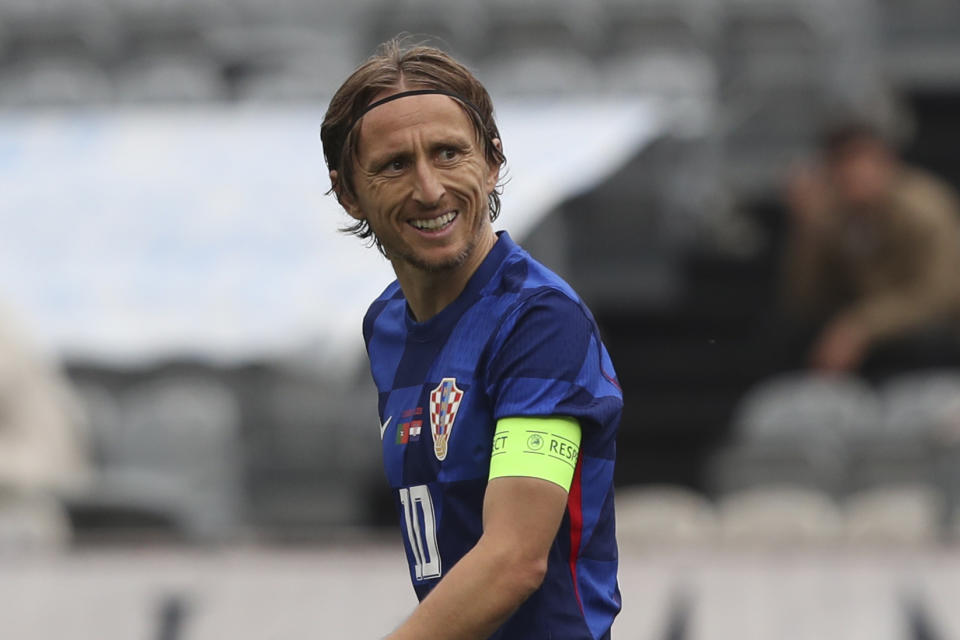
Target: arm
925,297
521,517
807,284
927,293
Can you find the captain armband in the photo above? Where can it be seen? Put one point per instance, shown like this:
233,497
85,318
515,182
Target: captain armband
546,448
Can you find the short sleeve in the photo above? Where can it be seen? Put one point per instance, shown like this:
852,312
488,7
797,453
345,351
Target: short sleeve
547,360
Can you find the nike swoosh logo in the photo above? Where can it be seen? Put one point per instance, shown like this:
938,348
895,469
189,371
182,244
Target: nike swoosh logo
383,427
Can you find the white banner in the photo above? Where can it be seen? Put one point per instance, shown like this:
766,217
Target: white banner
134,235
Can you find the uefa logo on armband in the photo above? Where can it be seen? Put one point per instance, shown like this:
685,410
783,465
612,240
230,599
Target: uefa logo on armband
444,402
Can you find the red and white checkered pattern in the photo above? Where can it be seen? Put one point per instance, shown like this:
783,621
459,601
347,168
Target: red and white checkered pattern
444,403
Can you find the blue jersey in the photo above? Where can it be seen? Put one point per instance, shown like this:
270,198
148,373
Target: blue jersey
516,342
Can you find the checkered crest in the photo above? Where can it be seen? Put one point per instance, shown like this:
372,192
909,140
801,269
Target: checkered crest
444,402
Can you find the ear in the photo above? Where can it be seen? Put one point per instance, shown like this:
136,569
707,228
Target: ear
345,197
493,176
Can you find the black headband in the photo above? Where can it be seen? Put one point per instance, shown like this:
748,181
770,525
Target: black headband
404,94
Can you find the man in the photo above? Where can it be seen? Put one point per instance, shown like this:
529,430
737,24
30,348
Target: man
498,402
874,249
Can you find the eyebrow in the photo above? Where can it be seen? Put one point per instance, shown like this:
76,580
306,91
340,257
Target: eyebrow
381,160
456,141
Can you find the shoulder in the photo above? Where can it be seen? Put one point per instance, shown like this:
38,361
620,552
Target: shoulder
930,200
546,328
392,294
523,282
548,304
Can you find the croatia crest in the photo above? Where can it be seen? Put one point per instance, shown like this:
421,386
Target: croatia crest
444,402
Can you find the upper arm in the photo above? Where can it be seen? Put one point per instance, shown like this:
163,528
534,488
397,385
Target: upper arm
521,517
547,360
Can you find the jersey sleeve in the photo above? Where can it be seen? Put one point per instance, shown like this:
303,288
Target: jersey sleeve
547,360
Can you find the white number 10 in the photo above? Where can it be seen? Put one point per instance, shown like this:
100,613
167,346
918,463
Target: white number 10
423,542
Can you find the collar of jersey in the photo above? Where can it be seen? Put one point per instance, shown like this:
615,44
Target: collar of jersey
441,323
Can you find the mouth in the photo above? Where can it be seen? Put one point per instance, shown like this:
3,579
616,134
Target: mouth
434,225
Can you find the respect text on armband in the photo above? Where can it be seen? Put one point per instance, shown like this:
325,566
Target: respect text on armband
553,446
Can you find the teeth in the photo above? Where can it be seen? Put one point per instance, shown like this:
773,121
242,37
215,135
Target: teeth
432,224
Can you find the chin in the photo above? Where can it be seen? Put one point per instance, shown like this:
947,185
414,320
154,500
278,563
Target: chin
439,264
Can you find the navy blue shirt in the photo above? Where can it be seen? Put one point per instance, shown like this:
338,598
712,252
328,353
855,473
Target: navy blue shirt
516,342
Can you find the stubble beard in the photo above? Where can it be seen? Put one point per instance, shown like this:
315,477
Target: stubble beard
410,257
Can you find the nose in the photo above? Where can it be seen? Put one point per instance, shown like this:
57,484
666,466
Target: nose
427,189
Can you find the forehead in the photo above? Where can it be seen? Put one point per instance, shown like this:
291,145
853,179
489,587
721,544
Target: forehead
397,123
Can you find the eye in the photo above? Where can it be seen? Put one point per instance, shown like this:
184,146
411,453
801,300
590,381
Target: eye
449,154
396,165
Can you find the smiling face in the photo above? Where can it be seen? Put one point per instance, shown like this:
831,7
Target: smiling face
422,183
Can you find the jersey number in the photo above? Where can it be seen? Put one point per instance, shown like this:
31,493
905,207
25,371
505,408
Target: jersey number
422,534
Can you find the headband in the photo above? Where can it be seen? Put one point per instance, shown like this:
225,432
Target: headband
404,94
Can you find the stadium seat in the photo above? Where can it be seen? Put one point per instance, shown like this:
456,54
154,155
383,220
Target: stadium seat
459,28
313,452
901,514
170,16
171,77
32,524
177,454
794,429
664,515
920,416
777,61
923,414
54,81
285,63
661,26
669,75
919,45
540,73
100,417
777,515
923,405
522,27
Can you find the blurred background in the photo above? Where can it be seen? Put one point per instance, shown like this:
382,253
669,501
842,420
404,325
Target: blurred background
755,197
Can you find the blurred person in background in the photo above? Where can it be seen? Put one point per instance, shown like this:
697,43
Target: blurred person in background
873,259
42,450
498,401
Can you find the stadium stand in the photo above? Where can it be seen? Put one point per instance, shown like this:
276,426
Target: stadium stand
658,26
902,514
904,443
173,459
460,29
676,251
33,525
541,25
793,429
541,73
55,81
920,44
779,515
664,515
775,65
308,466
170,78
281,64
101,417
751,504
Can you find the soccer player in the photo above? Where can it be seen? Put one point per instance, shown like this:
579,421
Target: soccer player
498,401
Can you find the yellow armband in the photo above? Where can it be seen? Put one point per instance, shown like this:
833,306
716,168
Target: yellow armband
545,448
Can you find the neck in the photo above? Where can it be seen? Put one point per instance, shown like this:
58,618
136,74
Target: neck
430,292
